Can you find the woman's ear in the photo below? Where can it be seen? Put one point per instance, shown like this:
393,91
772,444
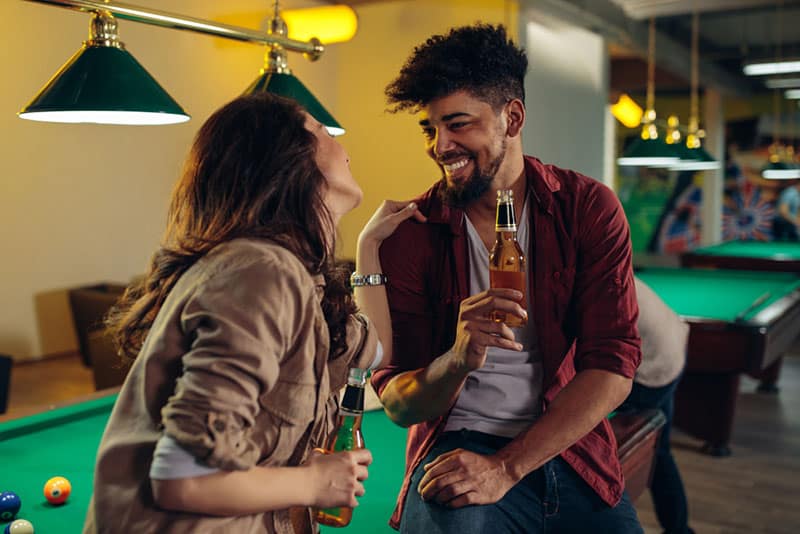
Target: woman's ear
515,117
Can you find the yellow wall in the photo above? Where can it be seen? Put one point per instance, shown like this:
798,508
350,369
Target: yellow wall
386,149
82,204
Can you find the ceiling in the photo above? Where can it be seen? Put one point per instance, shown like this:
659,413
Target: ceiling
730,33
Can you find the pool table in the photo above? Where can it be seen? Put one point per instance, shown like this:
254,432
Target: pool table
781,256
63,441
740,322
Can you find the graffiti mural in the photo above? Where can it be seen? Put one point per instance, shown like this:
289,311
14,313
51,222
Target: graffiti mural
664,207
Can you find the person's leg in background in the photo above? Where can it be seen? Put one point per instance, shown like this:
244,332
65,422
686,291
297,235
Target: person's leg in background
666,490
5,381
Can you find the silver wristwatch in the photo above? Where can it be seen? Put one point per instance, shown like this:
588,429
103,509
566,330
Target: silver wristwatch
360,280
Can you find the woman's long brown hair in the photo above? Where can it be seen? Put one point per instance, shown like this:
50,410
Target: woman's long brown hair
250,173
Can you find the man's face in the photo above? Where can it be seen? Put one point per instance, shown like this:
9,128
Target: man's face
467,140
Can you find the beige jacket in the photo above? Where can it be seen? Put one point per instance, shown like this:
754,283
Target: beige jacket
236,369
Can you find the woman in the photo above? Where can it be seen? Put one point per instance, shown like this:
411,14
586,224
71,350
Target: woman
243,332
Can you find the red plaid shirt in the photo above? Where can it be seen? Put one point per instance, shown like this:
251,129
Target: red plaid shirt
583,298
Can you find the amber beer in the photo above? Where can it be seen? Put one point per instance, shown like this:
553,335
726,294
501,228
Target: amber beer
346,436
506,260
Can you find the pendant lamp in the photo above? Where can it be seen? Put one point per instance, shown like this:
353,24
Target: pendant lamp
693,155
104,84
779,167
649,150
277,78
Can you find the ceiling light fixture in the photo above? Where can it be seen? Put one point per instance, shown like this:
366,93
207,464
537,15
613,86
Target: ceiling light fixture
693,156
627,111
779,166
649,150
765,68
277,78
782,83
103,83
329,24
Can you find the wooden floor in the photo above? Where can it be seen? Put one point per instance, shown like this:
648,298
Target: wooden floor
754,491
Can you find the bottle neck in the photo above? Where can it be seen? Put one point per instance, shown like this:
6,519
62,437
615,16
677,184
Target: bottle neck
353,400
506,220
506,235
350,414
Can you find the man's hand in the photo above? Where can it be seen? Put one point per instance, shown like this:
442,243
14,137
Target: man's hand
461,478
477,331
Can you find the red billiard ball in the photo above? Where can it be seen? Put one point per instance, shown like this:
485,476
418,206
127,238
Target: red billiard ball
57,490
9,505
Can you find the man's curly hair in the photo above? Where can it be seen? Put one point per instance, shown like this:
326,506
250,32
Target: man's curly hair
479,59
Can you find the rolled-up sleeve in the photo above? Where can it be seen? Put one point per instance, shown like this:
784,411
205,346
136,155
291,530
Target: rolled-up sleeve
239,324
605,295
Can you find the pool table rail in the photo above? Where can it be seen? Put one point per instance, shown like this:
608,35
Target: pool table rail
776,263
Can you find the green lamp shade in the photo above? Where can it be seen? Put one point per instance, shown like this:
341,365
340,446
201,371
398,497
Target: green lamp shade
287,85
779,170
695,159
104,85
649,153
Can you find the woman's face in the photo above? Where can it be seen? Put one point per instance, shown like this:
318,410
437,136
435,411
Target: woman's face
342,193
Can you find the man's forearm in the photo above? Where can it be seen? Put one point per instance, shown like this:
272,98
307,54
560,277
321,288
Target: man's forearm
424,394
575,411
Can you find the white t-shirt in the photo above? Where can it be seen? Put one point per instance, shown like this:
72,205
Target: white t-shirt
502,398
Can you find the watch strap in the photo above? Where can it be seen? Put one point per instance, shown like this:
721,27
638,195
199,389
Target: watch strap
361,280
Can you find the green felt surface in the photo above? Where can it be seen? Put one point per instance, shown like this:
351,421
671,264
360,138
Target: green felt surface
61,442
64,442
387,442
717,294
754,249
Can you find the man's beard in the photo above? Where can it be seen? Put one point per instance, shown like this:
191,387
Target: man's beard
463,194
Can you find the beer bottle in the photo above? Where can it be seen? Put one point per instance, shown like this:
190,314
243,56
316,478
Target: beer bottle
506,259
346,436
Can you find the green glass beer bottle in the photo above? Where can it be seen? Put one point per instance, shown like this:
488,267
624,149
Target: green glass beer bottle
346,436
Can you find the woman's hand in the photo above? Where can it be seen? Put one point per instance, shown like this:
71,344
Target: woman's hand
386,219
337,478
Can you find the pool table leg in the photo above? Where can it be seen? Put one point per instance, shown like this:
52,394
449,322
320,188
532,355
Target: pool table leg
705,404
769,377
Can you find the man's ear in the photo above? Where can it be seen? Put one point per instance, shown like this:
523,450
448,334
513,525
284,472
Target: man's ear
515,117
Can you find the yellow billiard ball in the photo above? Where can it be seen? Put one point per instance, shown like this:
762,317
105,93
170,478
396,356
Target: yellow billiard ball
57,490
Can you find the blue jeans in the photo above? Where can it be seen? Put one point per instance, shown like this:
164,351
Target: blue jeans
552,499
669,498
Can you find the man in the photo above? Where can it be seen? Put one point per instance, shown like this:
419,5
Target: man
507,429
786,225
664,335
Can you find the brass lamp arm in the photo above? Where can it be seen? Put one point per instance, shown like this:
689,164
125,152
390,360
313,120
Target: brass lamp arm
312,49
